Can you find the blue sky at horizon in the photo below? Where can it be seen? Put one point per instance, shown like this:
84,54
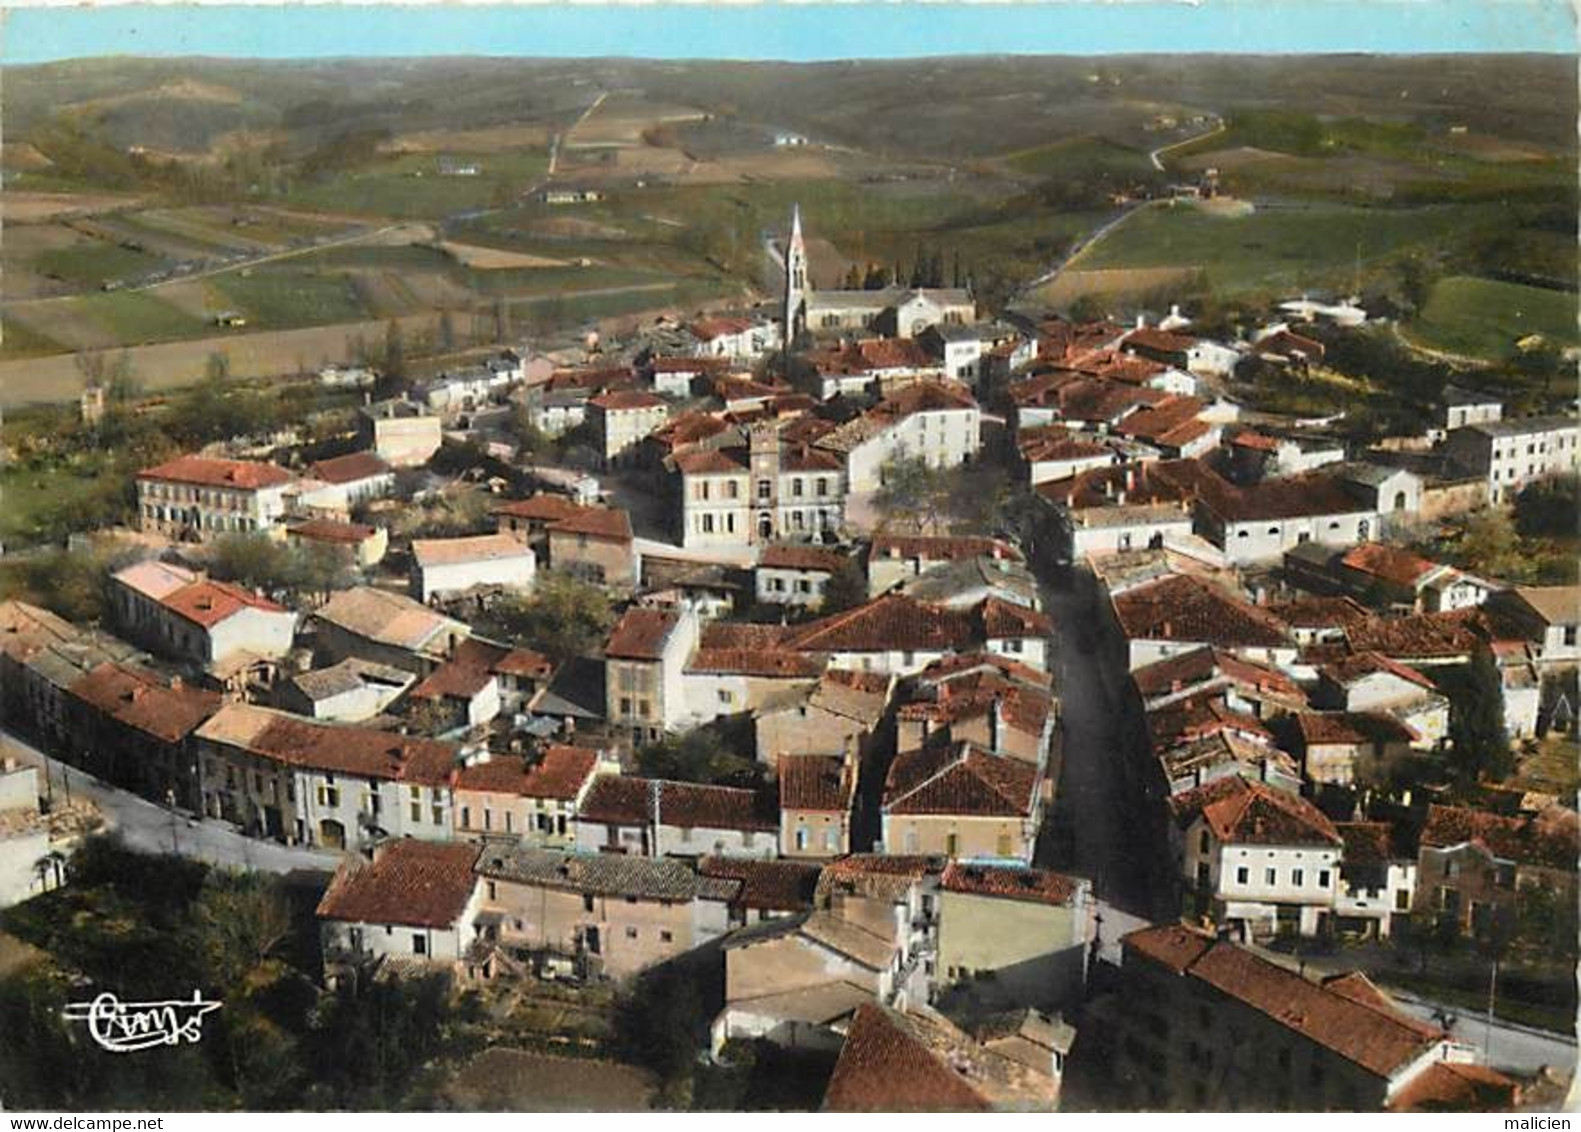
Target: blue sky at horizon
791,32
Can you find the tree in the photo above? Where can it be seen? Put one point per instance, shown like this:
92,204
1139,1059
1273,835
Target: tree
239,921
699,755
253,560
912,490
562,618
845,589
1548,508
1489,544
1479,743
394,351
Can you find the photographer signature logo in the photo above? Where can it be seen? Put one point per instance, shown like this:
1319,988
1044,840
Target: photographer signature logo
125,1027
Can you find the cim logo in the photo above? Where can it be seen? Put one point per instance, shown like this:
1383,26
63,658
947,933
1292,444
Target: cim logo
126,1027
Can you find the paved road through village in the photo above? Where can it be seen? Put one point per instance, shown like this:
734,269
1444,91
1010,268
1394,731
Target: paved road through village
154,829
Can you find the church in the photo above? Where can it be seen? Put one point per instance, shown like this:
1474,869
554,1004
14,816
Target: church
897,312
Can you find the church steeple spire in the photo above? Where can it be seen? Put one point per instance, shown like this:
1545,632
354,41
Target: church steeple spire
795,279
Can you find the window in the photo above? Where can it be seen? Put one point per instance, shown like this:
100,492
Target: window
726,696
823,486
1270,876
801,838
1297,877
466,817
1202,842
631,933
438,814
1322,878
493,890
765,489
417,812
796,487
419,943
666,937
1402,900
587,902
329,796
1242,875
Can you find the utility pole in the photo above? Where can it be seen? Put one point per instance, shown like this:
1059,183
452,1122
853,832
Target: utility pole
1493,983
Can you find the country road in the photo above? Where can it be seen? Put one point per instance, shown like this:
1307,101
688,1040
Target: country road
1157,155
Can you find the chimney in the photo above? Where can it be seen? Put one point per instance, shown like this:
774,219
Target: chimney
1130,478
1141,321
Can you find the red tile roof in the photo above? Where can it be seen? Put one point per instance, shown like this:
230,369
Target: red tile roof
413,883
626,400
332,530
1376,1037
1388,563
893,621
350,468
707,329
815,782
1040,886
610,523
1318,612
1207,664
467,672
1452,1086
939,548
1549,840
640,634
1163,341
140,700
558,774
365,752
1358,666
1318,728
962,780
785,556
208,602
711,461
1240,812
1160,422
429,552
621,800
774,886
1182,607
202,471
1426,635
543,506
884,1068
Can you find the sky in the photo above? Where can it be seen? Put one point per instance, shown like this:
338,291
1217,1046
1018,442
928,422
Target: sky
35,31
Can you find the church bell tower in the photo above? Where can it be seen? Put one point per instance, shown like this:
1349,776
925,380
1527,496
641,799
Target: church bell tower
795,280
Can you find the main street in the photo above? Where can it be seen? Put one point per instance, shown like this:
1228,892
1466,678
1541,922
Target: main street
1098,828
155,829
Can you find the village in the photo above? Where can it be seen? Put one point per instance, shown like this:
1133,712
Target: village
993,710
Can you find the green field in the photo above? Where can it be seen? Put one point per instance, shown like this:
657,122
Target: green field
20,341
281,299
136,317
1080,157
1483,318
1275,249
95,263
410,187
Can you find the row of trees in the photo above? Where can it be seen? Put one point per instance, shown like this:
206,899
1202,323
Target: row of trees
927,270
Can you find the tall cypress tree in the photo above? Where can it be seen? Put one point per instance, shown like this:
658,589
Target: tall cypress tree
1479,742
